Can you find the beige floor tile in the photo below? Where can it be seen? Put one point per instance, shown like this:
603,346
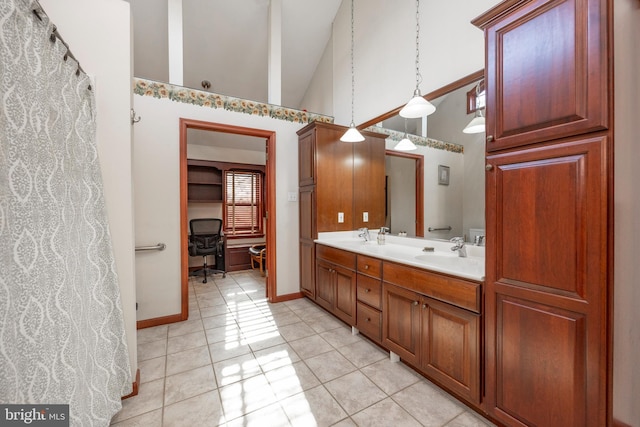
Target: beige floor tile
223,333
383,414
284,318
340,337
354,392
363,353
271,416
152,369
428,404
218,320
151,350
149,398
213,310
313,407
236,369
150,419
201,410
265,340
347,422
246,396
273,308
310,346
276,357
389,376
292,379
469,419
324,323
227,349
155,333
186,327
186,342
188,384
329,366
295,331
209,299
188,360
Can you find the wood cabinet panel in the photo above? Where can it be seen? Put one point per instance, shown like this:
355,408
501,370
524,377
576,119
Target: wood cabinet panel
369,322
401,322
307,213
369,291
337,256
369,182
369,266
345,300
336,282
306,159
307,269
451,347
456,291
546,71
325,285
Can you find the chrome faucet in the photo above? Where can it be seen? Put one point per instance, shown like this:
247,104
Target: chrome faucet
459,246
364,233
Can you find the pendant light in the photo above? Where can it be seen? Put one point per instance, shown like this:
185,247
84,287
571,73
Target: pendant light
352,134
476,125
405,143
417,106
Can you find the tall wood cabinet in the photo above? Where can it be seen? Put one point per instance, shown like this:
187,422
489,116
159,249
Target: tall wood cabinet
549,213
339,182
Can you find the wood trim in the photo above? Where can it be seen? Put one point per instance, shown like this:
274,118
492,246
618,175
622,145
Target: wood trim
287,297
270,179
135,386
498,11
430,96
419,158
157,321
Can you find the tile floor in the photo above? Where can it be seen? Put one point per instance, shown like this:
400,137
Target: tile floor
241,361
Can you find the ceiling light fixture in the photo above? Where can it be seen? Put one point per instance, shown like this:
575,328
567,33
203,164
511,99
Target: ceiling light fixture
405,143
417,106
352,134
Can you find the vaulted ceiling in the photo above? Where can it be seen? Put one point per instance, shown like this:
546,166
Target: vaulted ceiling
225,42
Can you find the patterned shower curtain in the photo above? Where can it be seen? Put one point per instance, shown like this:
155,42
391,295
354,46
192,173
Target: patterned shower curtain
62,337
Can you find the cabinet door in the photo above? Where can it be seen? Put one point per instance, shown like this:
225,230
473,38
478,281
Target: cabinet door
325,285
345,299
547,284
307,274
401,322
546,71
307,214
306,158
450,352
369,182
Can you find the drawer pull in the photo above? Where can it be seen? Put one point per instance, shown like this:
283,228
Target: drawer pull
424,305
366,267
368,319
415,303
366,291
490,138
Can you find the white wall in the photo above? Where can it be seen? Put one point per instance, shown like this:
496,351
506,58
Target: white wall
319,94
384,50
401,191
157,144
103,46
626,349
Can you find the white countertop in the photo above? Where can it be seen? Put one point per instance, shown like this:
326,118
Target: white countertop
409,251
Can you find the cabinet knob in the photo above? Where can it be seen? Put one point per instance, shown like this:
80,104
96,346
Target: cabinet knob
366,267
415,303
424,305
368,319
366,291
489,167
490,138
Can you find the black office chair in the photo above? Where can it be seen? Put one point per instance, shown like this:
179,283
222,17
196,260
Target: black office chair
207,239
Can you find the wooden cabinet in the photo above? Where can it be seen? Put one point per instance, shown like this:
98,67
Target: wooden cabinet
549,213
337,177
336,282
440,339
547,70
369,296
204,181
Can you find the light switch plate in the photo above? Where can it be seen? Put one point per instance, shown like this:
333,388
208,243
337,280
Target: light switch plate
340,217
365,216
292,196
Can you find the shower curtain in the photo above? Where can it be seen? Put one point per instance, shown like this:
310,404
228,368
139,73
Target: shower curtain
62,337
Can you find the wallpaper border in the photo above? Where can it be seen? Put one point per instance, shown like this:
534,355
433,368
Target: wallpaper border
419,140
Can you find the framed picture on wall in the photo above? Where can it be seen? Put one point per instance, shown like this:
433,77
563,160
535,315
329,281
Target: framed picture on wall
443,175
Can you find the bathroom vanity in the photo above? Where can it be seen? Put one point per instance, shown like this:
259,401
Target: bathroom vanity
424,307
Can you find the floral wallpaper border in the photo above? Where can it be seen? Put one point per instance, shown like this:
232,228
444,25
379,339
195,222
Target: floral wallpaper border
419,140
145,87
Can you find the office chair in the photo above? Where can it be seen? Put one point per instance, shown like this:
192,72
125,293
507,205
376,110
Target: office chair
206,239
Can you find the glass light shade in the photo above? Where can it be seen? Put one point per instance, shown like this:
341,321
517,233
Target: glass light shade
417,107
475,126
405,145
352,135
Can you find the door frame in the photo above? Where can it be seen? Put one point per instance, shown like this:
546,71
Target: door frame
419,159
270,202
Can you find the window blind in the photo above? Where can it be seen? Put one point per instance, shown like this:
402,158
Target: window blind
243,202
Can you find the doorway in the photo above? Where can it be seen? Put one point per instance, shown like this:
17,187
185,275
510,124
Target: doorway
270,207
419,188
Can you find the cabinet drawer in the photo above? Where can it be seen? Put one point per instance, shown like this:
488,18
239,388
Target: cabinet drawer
369,266
336,256
461,293
369,291
369,322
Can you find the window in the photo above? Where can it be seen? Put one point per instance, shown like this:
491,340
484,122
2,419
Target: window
243,203
476,98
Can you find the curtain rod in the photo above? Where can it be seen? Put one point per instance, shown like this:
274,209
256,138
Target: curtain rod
37,11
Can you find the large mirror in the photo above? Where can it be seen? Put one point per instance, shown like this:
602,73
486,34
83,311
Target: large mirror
453,191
